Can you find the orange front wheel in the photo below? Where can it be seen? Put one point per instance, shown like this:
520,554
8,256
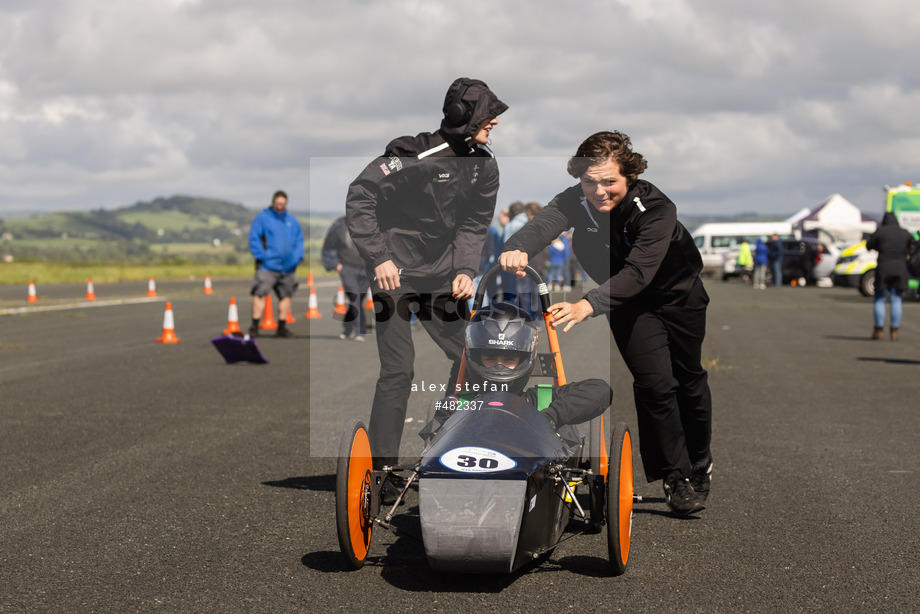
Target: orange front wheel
598,463
619,498
353,495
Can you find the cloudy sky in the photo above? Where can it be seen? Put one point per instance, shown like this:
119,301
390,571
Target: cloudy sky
765,107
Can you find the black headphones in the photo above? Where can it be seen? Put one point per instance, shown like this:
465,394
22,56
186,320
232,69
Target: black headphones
458,112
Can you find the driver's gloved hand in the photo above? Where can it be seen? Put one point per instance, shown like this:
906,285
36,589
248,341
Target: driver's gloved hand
441,414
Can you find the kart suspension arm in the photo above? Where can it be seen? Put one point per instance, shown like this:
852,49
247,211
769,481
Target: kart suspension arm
385,523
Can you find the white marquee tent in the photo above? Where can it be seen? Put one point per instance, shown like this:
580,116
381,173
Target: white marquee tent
836,220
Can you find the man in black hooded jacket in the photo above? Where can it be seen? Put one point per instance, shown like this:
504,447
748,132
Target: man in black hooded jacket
891,275
418,215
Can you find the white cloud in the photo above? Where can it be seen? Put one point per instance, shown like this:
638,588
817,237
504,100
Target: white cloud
765,107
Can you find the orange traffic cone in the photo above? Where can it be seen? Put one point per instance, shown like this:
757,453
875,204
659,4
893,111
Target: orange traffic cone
369,305
207,285
90,290
151,287
290,319
233,318
268,316
309,279
33,297
312,307
169,327
340,307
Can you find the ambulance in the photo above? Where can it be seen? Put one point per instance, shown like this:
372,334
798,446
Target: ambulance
856,265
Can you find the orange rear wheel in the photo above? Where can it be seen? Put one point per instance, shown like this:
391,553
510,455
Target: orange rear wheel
353,495
620,498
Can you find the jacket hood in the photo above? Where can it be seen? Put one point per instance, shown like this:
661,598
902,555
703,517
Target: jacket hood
890,219
480,98
280,216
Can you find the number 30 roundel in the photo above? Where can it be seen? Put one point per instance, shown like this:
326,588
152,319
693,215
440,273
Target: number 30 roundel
476,460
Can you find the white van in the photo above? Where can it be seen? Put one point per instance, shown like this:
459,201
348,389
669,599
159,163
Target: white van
715,239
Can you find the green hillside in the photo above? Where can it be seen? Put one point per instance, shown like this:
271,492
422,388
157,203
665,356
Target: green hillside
175,229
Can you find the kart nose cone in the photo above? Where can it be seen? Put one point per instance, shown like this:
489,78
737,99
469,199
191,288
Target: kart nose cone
471,525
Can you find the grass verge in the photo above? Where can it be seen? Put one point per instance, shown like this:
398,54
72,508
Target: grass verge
21,273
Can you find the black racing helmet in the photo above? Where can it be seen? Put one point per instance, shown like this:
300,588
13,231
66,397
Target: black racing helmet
502,328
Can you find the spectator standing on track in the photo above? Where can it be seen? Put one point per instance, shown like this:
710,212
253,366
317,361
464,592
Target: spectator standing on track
506,281
517,217
575,271
775,259
276,242
519,290
491,248
539,262
628,239
418,215
745,260
340,254
809,256
761,259
891,275
559,253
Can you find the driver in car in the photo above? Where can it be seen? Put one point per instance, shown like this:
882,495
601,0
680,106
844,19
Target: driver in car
501,349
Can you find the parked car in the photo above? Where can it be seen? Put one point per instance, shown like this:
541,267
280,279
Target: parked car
856,268
824,256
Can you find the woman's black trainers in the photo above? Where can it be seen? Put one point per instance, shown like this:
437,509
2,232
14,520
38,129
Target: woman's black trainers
680,496
700,480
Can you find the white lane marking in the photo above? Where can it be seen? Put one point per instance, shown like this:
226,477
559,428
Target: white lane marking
81,305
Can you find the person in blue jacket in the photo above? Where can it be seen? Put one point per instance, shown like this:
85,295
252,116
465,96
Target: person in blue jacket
761,261
559,253
276,242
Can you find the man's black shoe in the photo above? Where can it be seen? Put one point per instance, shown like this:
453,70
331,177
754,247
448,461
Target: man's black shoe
700,480
284,332
254,330
681,497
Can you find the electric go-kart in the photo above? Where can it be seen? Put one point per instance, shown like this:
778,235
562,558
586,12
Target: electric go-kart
496,486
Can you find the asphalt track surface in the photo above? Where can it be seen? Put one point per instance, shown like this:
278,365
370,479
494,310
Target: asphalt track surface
139,477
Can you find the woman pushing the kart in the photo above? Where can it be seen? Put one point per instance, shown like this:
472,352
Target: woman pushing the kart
628,239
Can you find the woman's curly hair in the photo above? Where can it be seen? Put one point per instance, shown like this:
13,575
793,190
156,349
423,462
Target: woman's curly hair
603,146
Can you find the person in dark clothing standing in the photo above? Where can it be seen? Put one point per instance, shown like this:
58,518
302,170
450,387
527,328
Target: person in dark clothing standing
629,241
761,259
418,215
340,254
491,248
809,255
891,276
775,259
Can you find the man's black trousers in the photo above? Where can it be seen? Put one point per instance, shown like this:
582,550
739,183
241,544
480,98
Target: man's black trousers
444,319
